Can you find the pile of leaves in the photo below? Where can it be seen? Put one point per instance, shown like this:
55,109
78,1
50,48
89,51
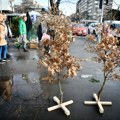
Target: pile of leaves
59,59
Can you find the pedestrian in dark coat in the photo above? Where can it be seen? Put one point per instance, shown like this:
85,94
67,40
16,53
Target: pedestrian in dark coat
28,26
39,32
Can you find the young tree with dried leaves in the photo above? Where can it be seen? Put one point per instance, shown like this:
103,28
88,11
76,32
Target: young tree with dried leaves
109,54
59,60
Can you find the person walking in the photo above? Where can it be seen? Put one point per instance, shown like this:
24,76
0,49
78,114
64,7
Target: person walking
98,34
39,32
42,28
7,29
44,39
8,34
22,32
28,26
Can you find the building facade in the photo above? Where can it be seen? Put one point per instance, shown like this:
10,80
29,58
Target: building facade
28,1
89,9
5,5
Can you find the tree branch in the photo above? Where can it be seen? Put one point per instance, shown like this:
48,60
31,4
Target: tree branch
51,3
58,3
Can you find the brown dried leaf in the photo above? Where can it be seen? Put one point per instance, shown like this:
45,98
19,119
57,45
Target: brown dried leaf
116,77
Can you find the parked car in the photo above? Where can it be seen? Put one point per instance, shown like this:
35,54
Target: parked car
92,28
87,22
115,25
79,29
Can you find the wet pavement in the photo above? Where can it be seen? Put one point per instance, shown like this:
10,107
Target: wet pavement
27,97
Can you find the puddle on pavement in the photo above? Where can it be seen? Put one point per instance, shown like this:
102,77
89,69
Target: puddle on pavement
23,93
31,55
22,87
6,84
27,94
27,86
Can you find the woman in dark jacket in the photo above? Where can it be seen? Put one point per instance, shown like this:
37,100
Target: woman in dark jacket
39,32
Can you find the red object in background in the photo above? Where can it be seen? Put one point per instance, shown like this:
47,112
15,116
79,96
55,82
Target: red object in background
79,29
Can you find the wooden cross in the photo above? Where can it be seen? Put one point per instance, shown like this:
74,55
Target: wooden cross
98,102
60,105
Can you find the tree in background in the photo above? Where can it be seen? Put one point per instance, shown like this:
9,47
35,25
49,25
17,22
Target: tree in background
55,4
27,6
54,7
14,26
11,4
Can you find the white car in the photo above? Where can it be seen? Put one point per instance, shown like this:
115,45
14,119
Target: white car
92,28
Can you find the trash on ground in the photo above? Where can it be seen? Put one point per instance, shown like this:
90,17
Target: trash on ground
86,76
93,80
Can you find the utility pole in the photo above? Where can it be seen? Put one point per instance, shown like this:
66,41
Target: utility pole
102,13
48,6
48,3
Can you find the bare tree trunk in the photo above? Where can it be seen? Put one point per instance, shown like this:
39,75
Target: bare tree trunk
60,88
54,7
11,4
102,87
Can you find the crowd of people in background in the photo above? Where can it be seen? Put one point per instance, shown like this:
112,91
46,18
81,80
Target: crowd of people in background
6,33
43,32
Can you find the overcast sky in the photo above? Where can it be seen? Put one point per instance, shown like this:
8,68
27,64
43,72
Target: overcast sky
67,7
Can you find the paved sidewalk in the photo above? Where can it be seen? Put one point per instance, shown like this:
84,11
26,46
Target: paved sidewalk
31,96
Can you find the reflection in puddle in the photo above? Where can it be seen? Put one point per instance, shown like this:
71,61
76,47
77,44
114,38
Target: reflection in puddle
32,55
31,77
6,84
27,86
21,57
28,94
